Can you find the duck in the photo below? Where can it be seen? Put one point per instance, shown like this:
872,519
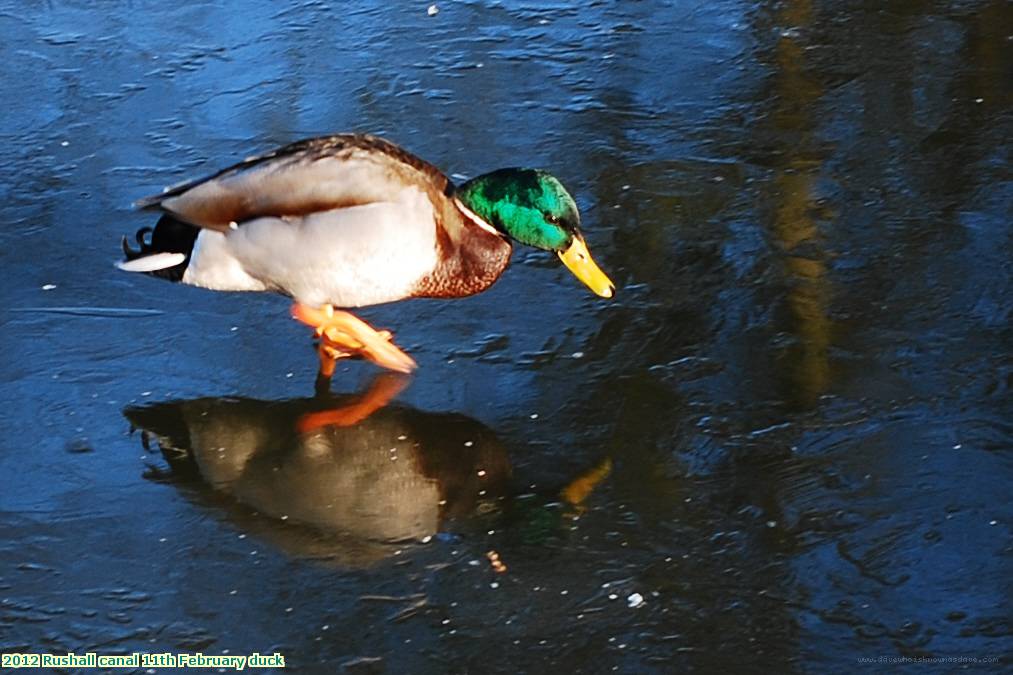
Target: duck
352,220
333,475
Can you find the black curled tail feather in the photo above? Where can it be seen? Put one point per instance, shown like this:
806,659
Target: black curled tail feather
144,249
168,236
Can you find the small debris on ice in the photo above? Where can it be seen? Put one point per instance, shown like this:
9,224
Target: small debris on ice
497,564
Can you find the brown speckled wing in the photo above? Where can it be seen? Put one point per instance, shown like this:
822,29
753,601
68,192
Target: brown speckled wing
317,174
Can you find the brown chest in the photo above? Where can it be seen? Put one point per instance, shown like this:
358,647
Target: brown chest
466,266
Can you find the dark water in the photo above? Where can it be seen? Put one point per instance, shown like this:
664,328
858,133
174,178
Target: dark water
789,435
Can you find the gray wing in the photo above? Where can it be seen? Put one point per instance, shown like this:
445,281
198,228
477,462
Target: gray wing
317,174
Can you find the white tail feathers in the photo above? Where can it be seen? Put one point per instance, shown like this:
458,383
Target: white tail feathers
151,263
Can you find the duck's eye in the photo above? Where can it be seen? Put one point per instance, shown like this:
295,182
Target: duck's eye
552,218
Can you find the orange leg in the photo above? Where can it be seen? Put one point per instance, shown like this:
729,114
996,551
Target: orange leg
381,392
343,335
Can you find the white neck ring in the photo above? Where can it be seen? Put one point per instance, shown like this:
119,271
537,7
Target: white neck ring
476,219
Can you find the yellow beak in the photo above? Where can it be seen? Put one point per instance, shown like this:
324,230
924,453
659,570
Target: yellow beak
578,260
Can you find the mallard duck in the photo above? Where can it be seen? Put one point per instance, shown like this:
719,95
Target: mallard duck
349,466
356,466
353,220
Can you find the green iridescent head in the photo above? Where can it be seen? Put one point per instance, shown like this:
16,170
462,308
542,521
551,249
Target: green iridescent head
532,207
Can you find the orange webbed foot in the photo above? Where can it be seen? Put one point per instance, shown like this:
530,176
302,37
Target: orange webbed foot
343,335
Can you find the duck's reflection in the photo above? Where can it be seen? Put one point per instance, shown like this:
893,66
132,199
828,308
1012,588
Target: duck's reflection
349,475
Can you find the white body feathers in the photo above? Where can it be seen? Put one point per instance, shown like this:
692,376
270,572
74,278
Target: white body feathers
150,263
347,257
